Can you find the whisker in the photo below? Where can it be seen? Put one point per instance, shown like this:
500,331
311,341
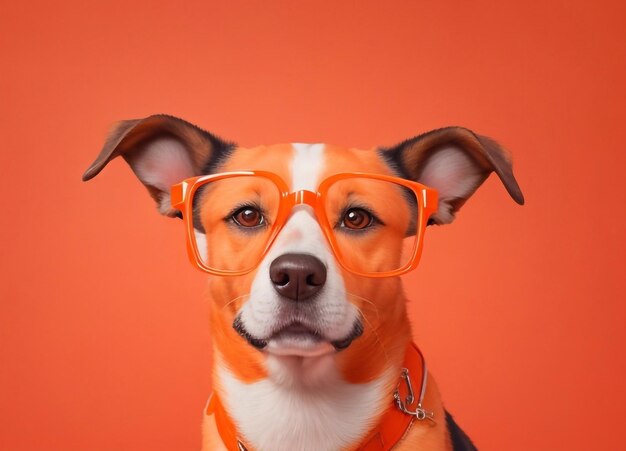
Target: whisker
380,343
234,300
361,298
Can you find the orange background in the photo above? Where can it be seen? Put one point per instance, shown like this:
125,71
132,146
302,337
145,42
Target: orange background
104,343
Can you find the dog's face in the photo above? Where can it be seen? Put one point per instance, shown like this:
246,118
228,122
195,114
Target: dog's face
298,303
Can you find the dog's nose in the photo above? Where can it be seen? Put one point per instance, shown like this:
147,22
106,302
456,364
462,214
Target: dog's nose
297,276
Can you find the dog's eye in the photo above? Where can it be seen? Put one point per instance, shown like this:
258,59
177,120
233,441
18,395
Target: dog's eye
357,219
248,217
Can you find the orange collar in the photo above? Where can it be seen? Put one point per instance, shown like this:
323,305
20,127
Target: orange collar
393,426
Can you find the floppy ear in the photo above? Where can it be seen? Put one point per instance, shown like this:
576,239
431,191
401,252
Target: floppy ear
455,161
161,150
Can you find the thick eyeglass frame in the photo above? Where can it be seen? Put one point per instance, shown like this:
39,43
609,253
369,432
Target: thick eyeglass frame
182,195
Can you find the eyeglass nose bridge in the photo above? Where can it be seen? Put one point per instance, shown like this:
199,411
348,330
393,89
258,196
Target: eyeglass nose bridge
304,197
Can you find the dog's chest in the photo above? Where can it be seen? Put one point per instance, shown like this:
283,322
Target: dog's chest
277,416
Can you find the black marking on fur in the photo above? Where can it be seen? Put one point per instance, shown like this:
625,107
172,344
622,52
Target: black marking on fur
241,330
393,157
356,332
460,440
222,150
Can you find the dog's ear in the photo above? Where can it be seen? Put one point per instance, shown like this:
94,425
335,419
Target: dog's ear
454,161
161,150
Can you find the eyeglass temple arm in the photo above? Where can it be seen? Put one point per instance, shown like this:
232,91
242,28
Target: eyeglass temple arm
177,195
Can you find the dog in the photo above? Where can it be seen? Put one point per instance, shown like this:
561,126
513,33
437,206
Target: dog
304,244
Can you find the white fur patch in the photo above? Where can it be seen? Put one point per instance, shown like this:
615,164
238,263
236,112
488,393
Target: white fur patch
280,414
308,162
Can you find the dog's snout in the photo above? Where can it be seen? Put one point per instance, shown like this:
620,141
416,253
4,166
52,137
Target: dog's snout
297,276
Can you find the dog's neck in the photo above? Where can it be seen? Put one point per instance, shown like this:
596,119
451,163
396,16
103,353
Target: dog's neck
308,403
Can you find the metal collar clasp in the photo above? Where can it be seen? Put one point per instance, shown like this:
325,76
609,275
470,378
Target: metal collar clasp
406,405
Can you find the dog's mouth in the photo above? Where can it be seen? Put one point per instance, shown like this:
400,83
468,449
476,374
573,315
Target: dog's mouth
296,331
297,338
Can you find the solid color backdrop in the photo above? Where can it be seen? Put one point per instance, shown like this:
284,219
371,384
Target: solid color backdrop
104,340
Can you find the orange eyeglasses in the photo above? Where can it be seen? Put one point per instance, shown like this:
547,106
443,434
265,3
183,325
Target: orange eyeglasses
373,223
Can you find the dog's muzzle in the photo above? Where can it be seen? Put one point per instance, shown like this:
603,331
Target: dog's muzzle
299,280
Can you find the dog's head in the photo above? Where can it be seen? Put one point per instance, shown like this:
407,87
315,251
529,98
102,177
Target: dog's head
305,294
